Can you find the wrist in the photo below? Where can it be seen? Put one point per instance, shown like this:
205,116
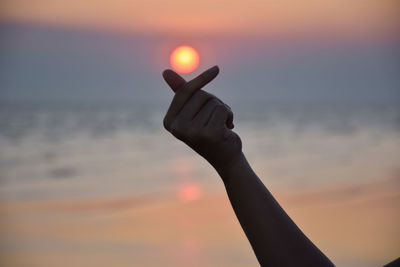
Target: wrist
232,166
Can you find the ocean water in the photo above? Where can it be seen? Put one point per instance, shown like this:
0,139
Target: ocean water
50,152
66,172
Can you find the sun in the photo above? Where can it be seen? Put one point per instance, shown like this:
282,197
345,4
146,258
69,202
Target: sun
184,59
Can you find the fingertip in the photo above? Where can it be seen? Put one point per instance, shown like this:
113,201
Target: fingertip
167,73
174,80
214,70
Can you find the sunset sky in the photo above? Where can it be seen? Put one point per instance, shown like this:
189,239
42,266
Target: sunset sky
89,176
219,17
131,41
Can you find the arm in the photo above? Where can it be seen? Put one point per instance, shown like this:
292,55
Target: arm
274,237
204,123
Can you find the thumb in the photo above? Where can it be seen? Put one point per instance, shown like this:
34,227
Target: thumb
174,80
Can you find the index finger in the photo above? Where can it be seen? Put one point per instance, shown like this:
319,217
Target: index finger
184,93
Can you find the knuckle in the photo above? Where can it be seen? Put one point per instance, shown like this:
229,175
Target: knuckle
226,106
167,123
214,102
221,108
178,128
209,94
174,128
219,101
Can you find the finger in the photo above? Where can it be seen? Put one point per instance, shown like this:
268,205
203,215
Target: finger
203,79
229,121
184,93
194,104
173,79
204,115
218,117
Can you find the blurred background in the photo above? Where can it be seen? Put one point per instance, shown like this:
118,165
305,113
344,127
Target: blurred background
89,177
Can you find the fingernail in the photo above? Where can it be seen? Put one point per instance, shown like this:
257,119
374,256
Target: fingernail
215,68
212,71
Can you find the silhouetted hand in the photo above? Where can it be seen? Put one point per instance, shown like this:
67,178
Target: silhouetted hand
201,120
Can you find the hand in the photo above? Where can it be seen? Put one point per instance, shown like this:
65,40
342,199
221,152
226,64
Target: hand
201,120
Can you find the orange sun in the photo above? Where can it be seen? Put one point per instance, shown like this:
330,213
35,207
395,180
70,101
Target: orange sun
184,59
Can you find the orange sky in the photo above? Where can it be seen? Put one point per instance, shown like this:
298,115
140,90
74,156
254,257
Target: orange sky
181,17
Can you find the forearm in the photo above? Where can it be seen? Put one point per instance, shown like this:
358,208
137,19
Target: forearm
275,238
